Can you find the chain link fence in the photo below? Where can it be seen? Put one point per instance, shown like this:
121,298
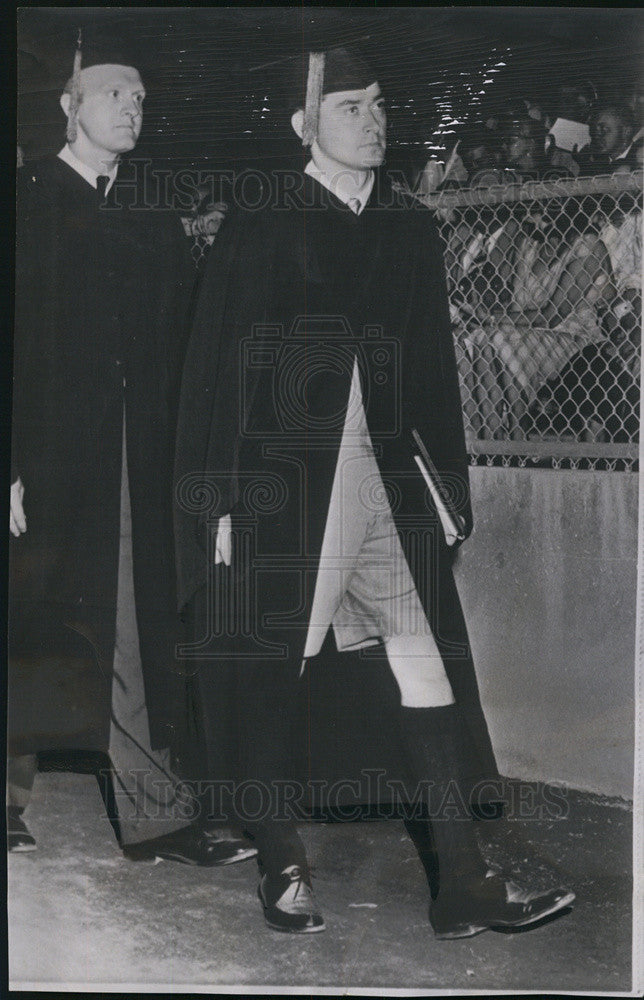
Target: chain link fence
545,291
545,298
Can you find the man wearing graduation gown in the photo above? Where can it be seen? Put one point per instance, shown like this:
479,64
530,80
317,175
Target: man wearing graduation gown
320,369
101,300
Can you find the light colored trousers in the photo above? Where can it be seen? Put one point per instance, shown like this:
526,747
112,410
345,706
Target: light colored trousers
364,586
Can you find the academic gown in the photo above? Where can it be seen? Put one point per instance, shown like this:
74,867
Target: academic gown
102,296
289,300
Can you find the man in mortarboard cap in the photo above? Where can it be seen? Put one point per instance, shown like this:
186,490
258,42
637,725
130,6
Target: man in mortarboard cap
320,408
101,299
341,86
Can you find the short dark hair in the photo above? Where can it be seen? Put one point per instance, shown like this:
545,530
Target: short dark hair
615,106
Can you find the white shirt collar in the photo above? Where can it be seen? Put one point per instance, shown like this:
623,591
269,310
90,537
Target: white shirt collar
622,156
341,183
90,175
624,153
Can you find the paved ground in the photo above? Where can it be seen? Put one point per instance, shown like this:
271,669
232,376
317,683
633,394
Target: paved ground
80,913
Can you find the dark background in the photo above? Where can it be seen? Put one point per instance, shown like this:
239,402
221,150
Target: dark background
217,78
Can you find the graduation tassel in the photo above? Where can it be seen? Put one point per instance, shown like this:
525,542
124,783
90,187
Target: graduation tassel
314,84
72,118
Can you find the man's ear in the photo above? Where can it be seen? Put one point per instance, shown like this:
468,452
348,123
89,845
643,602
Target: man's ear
64,103
297,121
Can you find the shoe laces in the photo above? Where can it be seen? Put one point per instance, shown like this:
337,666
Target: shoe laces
298,895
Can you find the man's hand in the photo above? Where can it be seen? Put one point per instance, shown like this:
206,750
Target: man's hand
207,223
17,519
223,545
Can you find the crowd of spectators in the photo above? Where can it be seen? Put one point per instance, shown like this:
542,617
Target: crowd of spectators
546,294
581,134
546,306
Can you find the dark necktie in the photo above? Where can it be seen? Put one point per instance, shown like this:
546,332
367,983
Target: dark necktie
101,186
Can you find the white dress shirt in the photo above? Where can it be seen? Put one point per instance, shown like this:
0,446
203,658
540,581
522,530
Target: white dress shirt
341,183
90,175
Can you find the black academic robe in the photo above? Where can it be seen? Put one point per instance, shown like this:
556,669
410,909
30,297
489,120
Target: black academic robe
102,295
289,298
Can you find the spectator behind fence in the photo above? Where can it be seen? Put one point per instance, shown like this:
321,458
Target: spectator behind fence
612,139
573,102
523,148
529,310
575,99
596,394
480,153
571,108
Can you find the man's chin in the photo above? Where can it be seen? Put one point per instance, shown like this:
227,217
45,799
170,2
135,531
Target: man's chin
374,158
124,143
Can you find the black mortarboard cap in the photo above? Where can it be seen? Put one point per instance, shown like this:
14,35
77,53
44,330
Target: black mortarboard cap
117,54
328,72
94,49
345,69
104,43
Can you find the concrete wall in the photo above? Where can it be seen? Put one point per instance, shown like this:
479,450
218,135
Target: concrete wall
548,583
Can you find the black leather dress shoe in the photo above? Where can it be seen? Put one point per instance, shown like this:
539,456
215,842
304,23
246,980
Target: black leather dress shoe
288,902
492,903
19,840
191,845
